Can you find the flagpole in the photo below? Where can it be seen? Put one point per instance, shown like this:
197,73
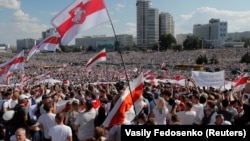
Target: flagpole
119,51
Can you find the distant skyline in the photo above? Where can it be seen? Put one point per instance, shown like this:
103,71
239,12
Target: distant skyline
28,18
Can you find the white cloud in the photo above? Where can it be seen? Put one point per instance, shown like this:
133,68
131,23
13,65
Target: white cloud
131,28
11,4
238,21
27,24
22,25
187,17
120,6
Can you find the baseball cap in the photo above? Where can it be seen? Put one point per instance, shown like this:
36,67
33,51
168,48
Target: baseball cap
22,97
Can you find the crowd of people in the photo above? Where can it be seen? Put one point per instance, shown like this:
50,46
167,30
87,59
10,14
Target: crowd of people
87,103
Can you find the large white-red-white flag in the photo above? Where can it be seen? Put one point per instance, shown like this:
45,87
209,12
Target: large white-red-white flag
15,63
32,51
79,16
49,44
128,105
100,57
238,85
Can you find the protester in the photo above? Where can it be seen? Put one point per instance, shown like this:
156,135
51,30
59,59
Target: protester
20,135
104,84
47,120
60,132
84,124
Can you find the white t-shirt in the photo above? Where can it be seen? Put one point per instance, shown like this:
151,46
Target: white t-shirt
42,111
60,132
115,133
47,120
7,104
187,117
13,138
160,116
85,124
13,103
199,109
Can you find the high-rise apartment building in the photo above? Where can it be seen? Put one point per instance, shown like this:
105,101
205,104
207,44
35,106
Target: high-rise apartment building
214,33
25,44
48,32
151,24
166,24
142,7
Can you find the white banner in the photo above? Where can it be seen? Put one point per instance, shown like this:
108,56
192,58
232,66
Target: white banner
209,78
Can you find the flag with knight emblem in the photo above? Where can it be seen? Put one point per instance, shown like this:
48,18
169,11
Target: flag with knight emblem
79,16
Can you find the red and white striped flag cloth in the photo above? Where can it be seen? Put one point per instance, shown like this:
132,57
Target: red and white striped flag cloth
240,83
32,51
15,63
24,79
9,76
152,80
147,74
43,76
4,73
100,57
49,44
79,16
128,105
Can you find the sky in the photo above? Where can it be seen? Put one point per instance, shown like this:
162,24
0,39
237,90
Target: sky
21,19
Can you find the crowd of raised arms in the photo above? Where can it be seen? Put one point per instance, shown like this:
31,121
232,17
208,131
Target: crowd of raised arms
40,116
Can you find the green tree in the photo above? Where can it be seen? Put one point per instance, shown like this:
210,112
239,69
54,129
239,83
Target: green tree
245,58
166,41
214,60
177,47
247,42
202,59
191,43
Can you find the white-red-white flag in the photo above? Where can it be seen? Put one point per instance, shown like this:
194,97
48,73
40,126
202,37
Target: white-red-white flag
4,72
128,105
100,57
9,76
15,63
147,74
49,44
240,83
24,79
43,76
79,16
32,51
